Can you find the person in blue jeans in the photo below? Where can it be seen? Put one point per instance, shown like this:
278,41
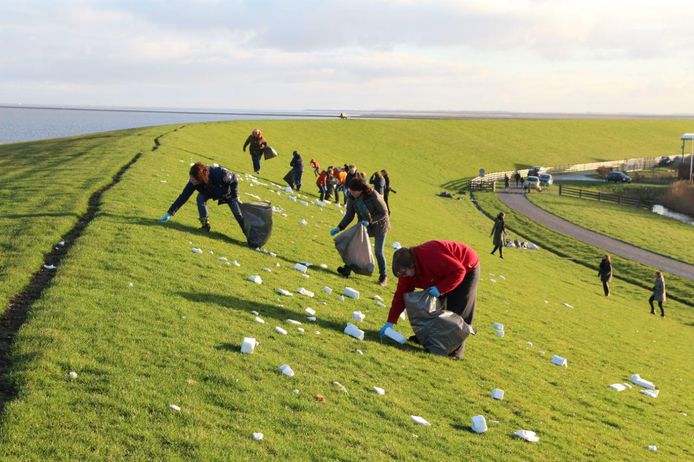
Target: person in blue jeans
212,182
372,212
257,144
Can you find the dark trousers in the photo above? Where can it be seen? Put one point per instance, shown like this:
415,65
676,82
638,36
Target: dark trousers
660,305
461,300
323,191
233,205
501,250
297,179
256,162
606,287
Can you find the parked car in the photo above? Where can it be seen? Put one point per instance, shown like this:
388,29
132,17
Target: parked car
546,179
534,171
618,177
532,182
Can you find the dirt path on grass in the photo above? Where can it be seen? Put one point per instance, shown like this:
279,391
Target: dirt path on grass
517,201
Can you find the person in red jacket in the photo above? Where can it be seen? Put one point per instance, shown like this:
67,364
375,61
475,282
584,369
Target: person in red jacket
322,183
446,269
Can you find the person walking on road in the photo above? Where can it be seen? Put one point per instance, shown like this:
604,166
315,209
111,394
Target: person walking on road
658,293
605,273
507,181
215,183
498,233
372,212
257,145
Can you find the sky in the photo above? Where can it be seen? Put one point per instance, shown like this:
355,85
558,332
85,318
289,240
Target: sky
579,56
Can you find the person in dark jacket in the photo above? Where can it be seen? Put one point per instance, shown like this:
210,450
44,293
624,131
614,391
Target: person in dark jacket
378,182
659,294
446,269
507,180
372,212
351,174
257,146
387,190
297,165
499,231
605,273
215,183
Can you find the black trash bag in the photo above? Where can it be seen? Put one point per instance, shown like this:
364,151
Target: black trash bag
257,222
269,152
439,331
354,247
289,178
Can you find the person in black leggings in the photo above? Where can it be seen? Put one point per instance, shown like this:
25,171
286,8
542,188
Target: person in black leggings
658,293
498,231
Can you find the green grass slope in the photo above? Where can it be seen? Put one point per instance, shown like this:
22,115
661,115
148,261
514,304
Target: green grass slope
173,337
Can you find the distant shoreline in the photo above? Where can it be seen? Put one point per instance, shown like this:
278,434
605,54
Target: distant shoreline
405,115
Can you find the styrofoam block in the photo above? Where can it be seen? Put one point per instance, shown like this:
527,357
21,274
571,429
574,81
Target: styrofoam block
354,331
300,267
327,290
294,321
257,436
351,293
618,386
498,393
559,361
497,326
279,330
479,424
310,311
255,278
651,393
527,435
248,345
196,250
420,420
379,390
286,370
305,292
311,319
286,293
637,380
395,335
396,245
358,316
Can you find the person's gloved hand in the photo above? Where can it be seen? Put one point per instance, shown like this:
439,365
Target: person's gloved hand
165,218
382,332
364,223
334,231
433,290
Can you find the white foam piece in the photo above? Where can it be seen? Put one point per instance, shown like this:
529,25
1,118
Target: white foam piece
351,293
257,436
286,293
259,320
358,316
381,304
637,380
255,278
498,393
354,331
196,250
500,333
248,345
235,263
651,393
618,386
255,313
379,390
567,305
288,190
395,335
530,344
286,370
281,331
493,280
503,278
324,266
310,311
267,270
306,276
311,319
303,202
361,353
222,259
294,321
130,284
396,245
72,374
527,435
652,448
327,290
341,298
305,292
273,254
173,407
377,297
497,326
420,420
479,424
403,316
49,267
559,361
300,267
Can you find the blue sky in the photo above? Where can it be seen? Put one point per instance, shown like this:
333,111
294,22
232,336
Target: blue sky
523,55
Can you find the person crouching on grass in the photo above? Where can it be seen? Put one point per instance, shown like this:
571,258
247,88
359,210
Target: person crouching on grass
446,269
215,183
372,212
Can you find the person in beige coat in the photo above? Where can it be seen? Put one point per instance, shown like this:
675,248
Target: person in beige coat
658,293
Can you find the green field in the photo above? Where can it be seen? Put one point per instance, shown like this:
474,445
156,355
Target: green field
670,237
173,337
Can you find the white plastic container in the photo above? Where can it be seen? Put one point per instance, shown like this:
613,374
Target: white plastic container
351,293
354,331
286,370
358,316
637,380
248,345
395,335
300,267
559,361
498,393
479,424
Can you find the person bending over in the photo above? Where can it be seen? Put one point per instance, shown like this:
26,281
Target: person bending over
215,183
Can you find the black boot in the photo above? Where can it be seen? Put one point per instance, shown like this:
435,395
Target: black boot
344,271
383,280
205,224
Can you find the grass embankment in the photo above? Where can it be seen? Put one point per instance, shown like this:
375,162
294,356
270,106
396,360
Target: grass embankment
173,337
585,254
671,238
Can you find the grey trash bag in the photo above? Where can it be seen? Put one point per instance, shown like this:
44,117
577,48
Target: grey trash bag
439,331
257,222
354,247
269,152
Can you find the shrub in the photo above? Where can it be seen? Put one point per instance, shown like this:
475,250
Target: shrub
680,197
603,171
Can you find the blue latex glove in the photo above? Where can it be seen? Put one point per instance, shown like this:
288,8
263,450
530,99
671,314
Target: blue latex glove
433,290
364,223
382,332
334,231
165,218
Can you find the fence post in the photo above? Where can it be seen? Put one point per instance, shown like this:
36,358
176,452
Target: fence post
599,196
619,198
560,189
579,193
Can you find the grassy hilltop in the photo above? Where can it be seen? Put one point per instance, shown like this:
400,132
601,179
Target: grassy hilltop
173,337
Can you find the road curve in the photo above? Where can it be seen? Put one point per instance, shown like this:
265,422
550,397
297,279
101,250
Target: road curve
518,202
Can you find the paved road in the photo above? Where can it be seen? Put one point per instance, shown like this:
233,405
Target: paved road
518,202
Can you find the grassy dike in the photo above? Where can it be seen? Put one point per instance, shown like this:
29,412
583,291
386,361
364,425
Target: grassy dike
173,337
